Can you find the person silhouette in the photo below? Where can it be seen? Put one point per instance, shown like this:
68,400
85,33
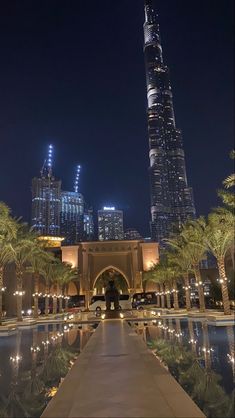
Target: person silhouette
111,295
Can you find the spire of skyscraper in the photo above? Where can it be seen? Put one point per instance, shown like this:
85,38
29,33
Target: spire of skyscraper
171,198
77,179
46,170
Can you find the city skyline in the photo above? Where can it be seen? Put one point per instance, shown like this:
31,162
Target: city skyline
55,109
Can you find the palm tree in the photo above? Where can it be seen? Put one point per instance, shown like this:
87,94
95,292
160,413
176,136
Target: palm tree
229,183
8,225
219,238
193,243
66,275
22,248
49,272
8,231
179,258
5,258
38,259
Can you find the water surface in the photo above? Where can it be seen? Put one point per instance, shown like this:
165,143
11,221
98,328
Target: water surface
33,362
200,357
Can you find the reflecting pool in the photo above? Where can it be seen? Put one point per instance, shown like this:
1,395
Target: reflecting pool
200,357
33,363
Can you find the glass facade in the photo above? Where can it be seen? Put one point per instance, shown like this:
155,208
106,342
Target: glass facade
88,225
171,198
110,224
72,217
46,205
132,234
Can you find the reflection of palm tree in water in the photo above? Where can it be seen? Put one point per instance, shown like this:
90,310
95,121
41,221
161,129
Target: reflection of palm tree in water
206,348
192,336
178,330
230,334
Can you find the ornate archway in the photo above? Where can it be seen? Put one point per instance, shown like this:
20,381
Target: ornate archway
129,258
111,273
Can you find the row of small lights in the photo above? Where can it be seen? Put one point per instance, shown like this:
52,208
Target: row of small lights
168,292
36,349
48,295
178,335
121,315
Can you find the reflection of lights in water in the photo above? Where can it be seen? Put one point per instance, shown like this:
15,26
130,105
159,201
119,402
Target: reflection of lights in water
35,349
192,341
51,392
205,350
16,359
230,358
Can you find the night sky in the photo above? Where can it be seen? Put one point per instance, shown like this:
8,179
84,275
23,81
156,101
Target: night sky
72,74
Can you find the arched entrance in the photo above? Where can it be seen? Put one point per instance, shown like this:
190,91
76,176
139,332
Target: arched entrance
111,273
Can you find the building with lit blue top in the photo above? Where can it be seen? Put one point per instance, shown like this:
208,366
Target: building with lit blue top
46,200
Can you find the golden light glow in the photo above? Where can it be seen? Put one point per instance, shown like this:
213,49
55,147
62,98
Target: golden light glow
51,241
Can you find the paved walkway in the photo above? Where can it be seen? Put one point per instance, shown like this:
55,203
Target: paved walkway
117,376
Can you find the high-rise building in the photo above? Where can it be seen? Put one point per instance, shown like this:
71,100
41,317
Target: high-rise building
72,217
88,225
132,234
110,224
46,202
171,198
72,213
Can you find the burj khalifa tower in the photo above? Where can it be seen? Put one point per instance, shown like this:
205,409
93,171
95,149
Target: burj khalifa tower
171,197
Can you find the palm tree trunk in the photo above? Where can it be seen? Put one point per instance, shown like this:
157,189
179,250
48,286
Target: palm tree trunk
54,304
36,289
158,297
60,301
47,300
1,286
175,295
19,297
197,273
187,292
224,286
66,300
168,297
162,296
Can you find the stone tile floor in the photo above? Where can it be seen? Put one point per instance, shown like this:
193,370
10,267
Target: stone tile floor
117,376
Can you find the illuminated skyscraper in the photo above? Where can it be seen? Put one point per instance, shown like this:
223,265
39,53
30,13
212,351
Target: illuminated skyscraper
46,202
110,224
72,217
72,213
171,198
132,234
88,226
